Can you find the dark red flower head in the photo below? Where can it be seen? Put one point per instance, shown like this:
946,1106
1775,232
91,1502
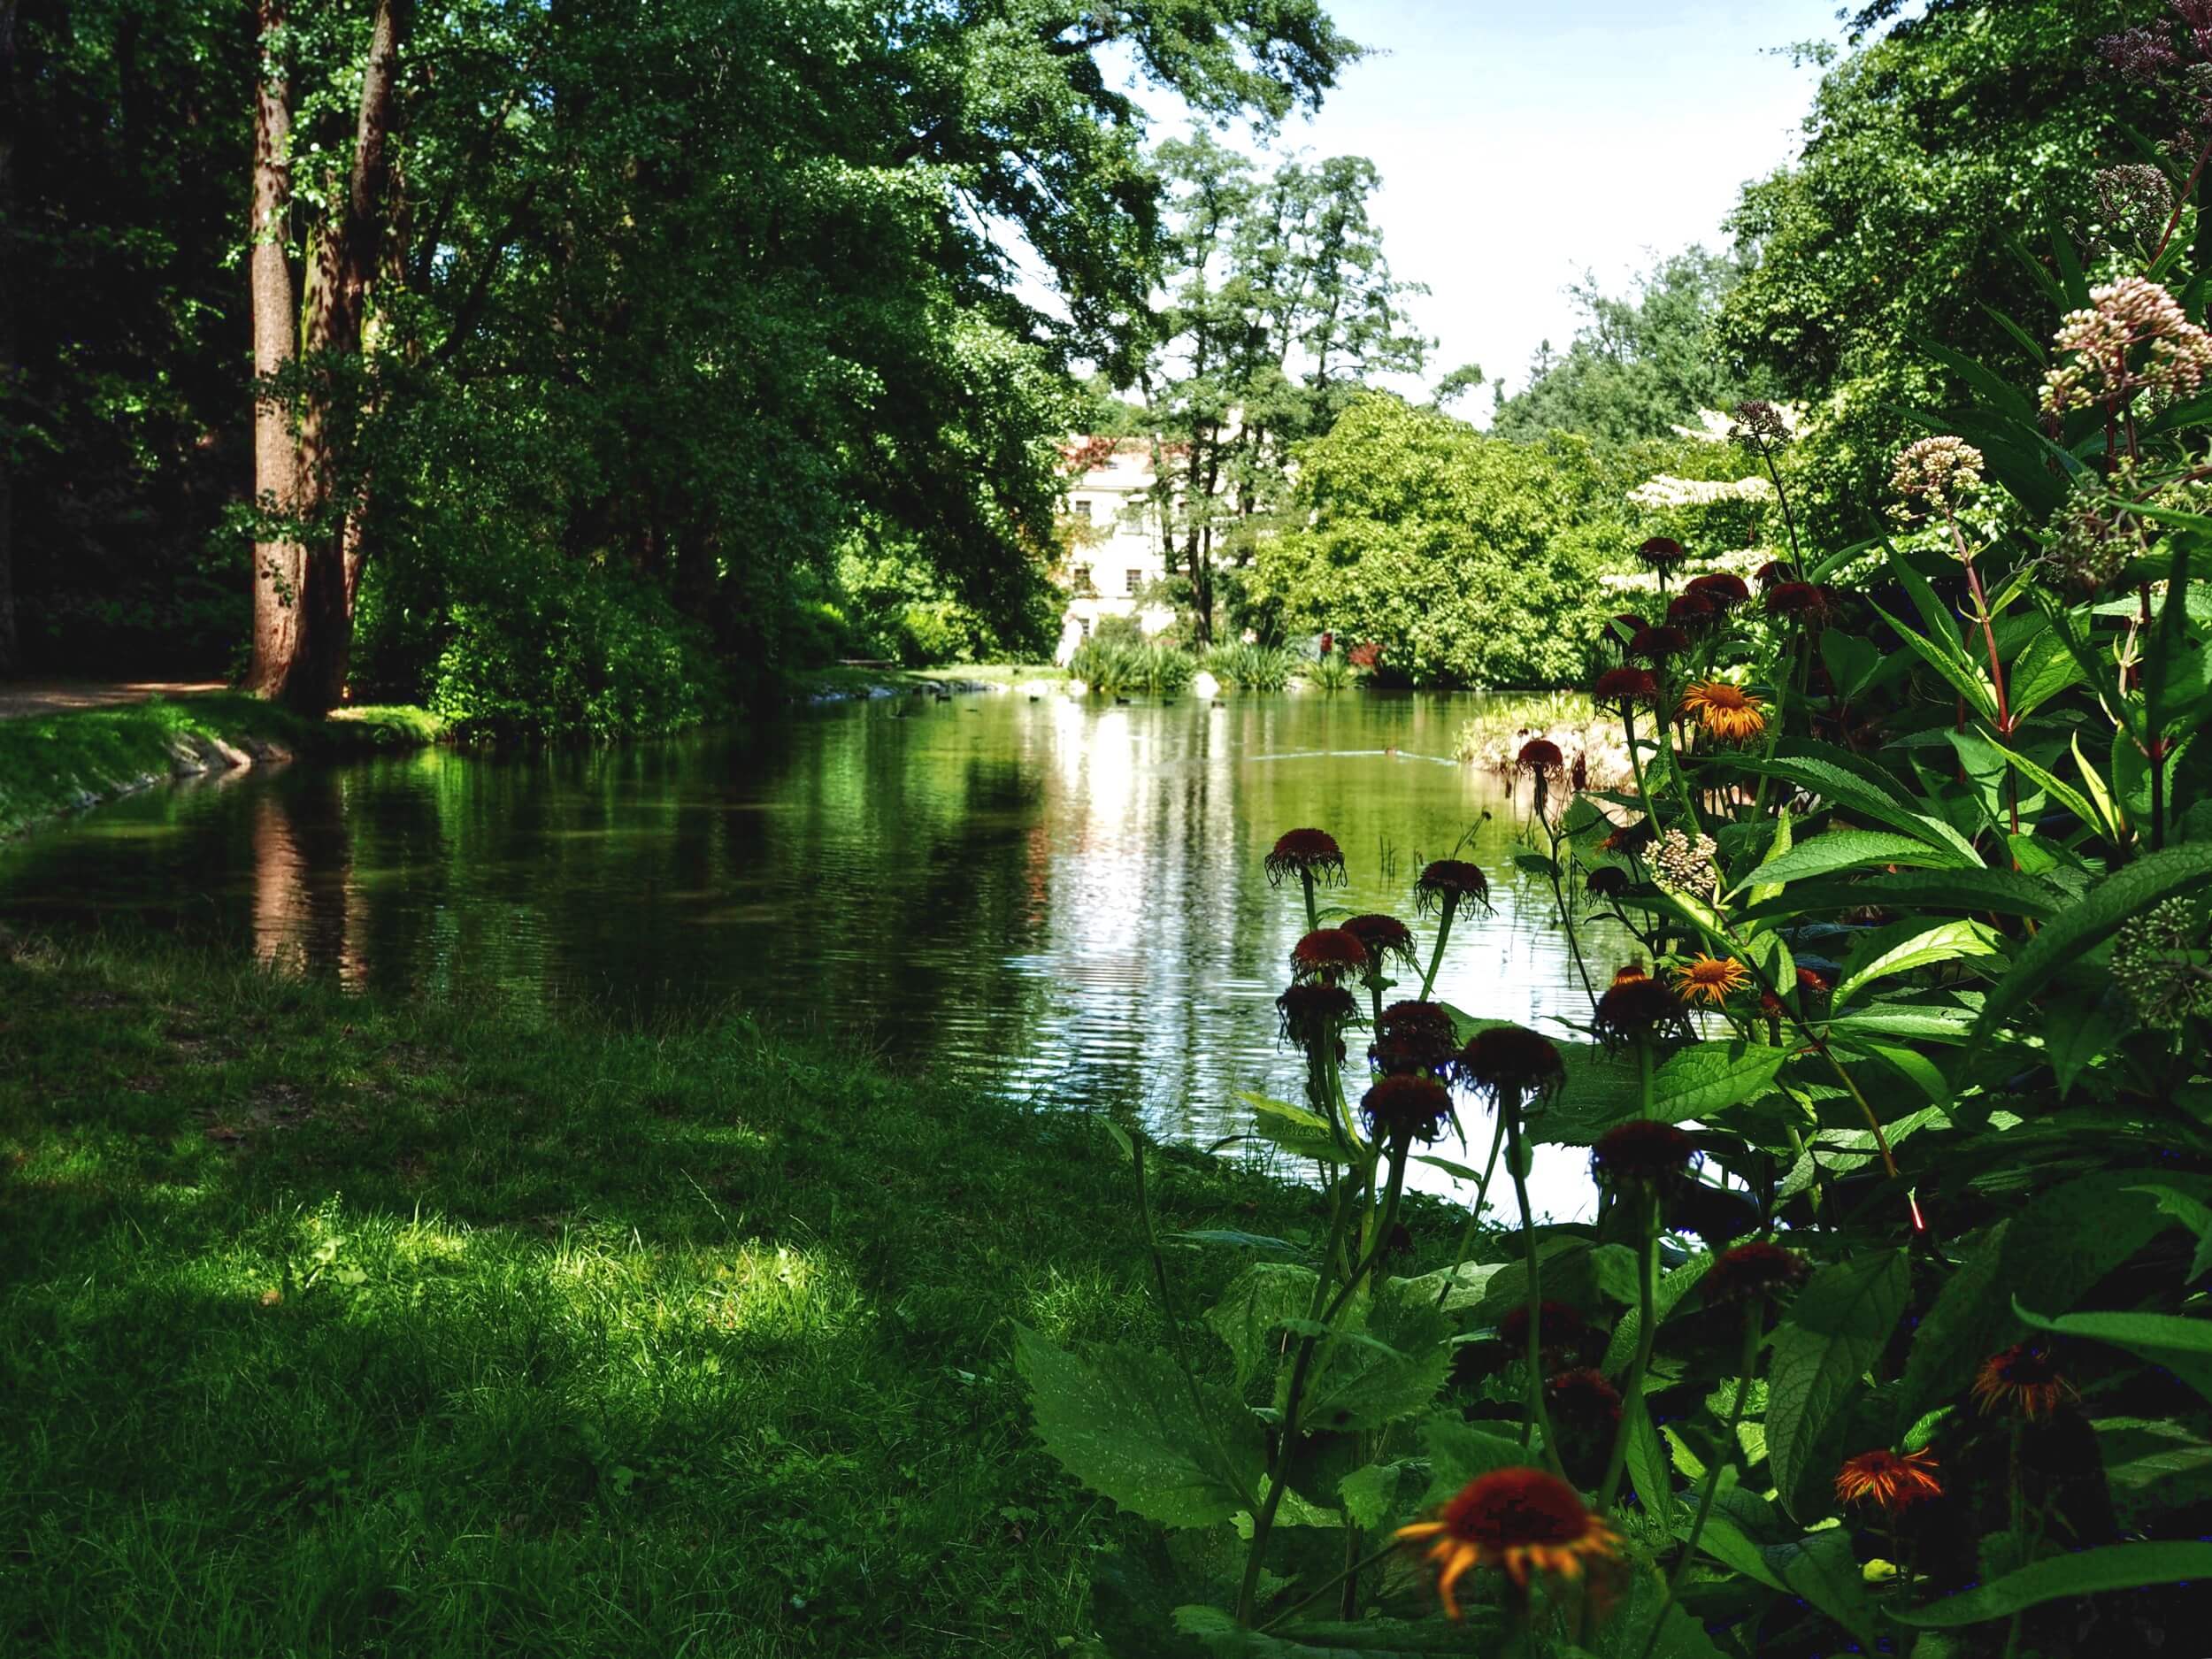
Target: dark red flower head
1626,686
1720,589
1607,881
1656,645
1414,1037
1559,1328
1642,1153
1693,614
1531,1524
1384,936
1634,1010
1512,1062
2025,1381
1630,838
1442,885
1582,1400
1757,1270
1893,1481
1661,553
1799,599
1774,573
1307,852
1328,954
1626,627
1811,983
1541,755
1315,1012
1404,1107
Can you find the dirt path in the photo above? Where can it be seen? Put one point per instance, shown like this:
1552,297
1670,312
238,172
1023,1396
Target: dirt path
22,698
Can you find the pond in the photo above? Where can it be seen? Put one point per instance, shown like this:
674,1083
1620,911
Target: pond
1061,900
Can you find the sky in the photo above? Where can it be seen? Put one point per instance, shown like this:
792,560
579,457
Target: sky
1523,141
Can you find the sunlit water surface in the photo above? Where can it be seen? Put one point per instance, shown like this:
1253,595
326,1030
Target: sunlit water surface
1061,901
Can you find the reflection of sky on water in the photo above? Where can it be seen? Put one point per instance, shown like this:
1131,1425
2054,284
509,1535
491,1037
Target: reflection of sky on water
1062,900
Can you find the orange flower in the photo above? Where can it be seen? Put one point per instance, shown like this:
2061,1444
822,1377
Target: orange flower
1714,978
1896,1482
2023,1379
1523,1520
1729,714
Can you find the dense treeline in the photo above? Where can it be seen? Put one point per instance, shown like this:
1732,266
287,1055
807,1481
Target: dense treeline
553,358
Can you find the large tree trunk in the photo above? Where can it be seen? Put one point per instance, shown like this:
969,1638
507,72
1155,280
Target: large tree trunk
348,256
11,659
279,564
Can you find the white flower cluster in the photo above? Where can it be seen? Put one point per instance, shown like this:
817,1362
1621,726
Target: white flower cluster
2133,338
1666,490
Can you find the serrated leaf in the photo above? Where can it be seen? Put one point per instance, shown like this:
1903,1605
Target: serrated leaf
1673,1286
2183,1346
2067,1577
1458,1452
1646,1461
2005,892
1710,1077
1124,1424
1821,1349
1258,1301
1857,849
1821,1568
1727,1543
1846,780
1779,843
2126,893
1368,1492
2194,1214
1391,1372
1904,946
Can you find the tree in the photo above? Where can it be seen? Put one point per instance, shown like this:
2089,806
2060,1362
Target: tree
1470,559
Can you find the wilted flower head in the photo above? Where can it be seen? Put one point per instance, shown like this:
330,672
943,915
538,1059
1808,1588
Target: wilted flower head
1693,613
1626,687
1937,473
1512,1062
1799,601
1314,1013
1727,713
1656,645
1760,426
1414,1037
1635,1011
2133,338
1310,853
1661,553
1642,1153
1719,588
1444,883
1532,1525
1683,865
1582,1399
1383,937
1756,1269
1607,881
1328,954
1404,1107
1773,573
2161,964
1709,979
2022,1381
1541,756
1895,1482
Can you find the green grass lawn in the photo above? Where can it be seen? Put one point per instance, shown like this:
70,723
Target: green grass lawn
338,1326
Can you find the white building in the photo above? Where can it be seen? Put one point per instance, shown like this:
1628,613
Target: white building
1117,557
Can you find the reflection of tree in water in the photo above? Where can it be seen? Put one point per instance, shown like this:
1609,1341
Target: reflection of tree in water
304,906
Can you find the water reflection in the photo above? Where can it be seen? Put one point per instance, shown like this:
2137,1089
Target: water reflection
1060,901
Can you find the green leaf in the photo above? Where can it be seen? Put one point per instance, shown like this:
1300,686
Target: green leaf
1673,1286
2005,892
1778,844
1857,849
1295,1129
2072,799
1850,787
1962,677
1458,1453
1256,1304
1835,1329
2192,1213
2044,668
1124,1424
2126,893
1647,1466
1904,946
1710,1077
1368,1492
2183,1346
2067,1577
1363,1379
1821,1568
1727,1543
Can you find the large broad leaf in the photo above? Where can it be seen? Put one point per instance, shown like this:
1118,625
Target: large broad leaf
1124,1423
2126,893
1648,1470
1857,849
2005,892
2051,1253
1835,1327
1255,1307
1458,1452
1961,675
1711,1076
1821,1568
1904,946
1621,1345
1849,782
1395,1371
1728,1544
2073,800
2183,1346
2065,1578
2044,668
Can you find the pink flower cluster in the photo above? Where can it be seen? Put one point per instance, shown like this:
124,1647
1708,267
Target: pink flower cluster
2134,338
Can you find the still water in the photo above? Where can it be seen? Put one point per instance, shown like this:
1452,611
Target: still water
1060,901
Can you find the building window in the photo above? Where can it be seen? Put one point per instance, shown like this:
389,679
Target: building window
1136,581
1081,510
1084,623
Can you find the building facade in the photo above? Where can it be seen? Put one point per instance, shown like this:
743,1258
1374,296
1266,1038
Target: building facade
1117,559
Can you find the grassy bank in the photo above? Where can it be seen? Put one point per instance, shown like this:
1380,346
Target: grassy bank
59,763
841,680
341,1326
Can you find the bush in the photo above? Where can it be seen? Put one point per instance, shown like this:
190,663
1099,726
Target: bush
1254,667
1114,666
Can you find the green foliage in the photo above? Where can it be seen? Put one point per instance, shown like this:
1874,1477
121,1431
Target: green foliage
1251,667
1471,560
1112,666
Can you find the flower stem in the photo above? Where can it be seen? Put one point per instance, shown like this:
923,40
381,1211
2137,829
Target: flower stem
1516,1165
1443,933
1474,1212
1646,1320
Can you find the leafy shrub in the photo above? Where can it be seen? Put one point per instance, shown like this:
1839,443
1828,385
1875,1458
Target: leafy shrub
1252,667
1116,666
